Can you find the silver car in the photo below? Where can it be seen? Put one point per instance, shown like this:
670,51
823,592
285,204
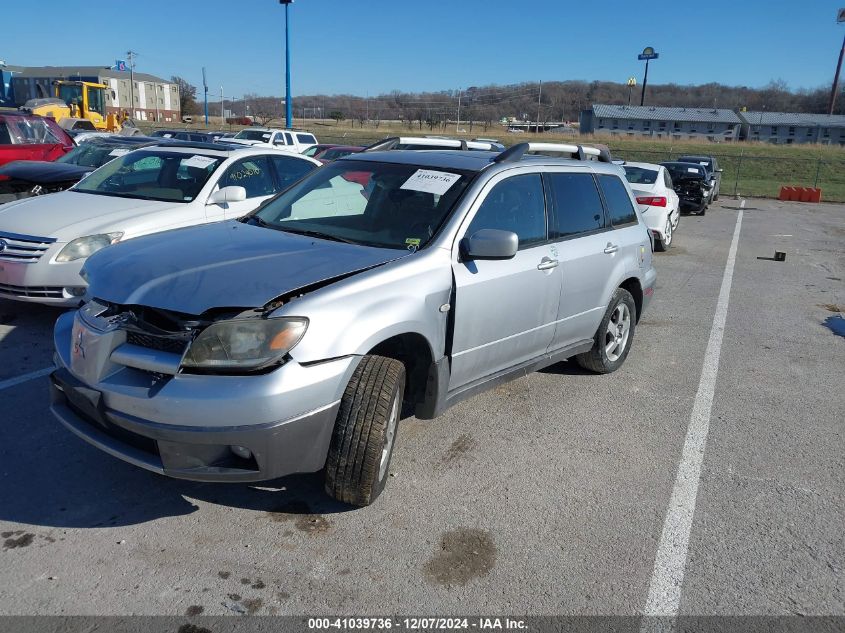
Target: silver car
292,340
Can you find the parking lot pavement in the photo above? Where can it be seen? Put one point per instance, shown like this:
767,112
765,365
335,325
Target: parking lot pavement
546,495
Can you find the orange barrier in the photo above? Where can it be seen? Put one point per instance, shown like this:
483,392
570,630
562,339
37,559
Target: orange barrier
800,194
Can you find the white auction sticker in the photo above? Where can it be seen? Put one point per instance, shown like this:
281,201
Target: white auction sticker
198,161
436,182
118,152
692,170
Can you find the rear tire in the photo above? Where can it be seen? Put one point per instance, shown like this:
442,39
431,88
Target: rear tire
665,242
365,431
613,339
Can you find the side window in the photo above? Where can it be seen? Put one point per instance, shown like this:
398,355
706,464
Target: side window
667,179
516,204
289,170
253,174
288,138
577,204
306,139
619,206
278,138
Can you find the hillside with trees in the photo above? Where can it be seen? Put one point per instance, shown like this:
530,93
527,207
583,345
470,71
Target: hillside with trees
555,101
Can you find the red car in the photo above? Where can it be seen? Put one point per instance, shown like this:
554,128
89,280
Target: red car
30,137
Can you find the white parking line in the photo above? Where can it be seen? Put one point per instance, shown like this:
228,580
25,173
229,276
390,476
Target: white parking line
11,382
667,579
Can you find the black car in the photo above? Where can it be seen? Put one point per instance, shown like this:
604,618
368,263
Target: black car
183,135
25,178
691,182
714,171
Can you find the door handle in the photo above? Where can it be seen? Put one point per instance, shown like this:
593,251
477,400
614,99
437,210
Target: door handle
547,264
610,248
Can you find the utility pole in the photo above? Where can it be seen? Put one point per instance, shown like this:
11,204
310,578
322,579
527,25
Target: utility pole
840,17
222,113
131,56
458,124
539,94
205,95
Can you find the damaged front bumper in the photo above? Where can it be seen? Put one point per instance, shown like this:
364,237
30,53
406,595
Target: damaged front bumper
117,397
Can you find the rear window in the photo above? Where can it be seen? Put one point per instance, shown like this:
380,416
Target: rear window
640,175
307,139
619,205
18,130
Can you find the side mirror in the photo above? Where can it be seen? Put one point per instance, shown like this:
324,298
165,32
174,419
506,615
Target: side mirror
227,194
279,141
490,244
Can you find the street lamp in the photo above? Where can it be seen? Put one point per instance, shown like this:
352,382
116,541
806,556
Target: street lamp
288,102
632,81
647,54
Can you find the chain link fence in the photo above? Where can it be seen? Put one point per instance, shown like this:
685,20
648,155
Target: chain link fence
762,176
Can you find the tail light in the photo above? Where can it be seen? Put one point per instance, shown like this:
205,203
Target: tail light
653,201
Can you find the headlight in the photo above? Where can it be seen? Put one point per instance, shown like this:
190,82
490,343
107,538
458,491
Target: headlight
244,344
83,247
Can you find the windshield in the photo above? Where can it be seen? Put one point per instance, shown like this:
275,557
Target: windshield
332,154
640,175
70,93
254,135
93,154
152,175
370,203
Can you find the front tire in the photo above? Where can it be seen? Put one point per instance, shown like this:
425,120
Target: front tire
614,336
365,431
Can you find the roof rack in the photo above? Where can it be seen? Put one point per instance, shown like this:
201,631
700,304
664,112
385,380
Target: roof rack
579,152
396,142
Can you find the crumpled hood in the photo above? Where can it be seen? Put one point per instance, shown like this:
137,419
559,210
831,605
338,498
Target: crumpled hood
223,265
43,172
67,215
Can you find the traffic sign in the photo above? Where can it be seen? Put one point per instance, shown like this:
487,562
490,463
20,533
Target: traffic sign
120,64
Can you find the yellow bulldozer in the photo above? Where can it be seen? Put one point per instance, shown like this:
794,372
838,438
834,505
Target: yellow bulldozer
76,102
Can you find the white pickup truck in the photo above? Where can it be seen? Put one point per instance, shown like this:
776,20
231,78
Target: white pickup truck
289,140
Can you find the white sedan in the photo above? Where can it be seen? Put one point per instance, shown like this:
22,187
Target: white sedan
657,200
45,240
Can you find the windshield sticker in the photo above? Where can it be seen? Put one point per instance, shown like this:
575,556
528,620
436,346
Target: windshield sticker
692,170
167,135
118,152
704,164
413,241
428,181
198,161
266,137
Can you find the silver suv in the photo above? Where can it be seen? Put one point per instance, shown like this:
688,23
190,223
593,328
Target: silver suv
293,339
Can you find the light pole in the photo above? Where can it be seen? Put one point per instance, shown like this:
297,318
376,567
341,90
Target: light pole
840,17
288,102
632,81
647,55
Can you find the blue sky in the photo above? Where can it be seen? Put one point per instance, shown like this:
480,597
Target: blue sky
374,46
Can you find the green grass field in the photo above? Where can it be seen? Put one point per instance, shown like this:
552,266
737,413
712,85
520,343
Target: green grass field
750,169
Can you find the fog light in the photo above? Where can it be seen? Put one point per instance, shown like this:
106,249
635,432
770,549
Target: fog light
240,451
75,291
